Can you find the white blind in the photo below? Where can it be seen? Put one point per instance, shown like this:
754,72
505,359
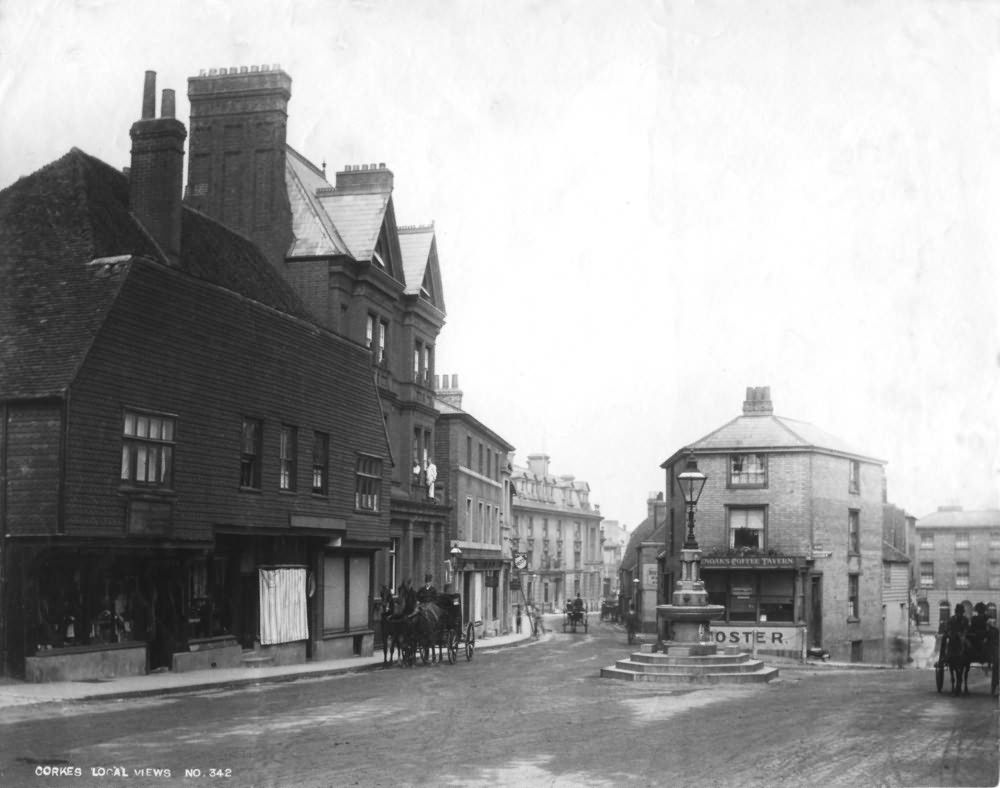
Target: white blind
283,606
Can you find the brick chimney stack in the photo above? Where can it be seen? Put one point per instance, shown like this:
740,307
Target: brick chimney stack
364,178
452,395
156,174
758,401
239,118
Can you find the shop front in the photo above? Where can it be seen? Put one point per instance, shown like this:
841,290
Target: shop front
763,597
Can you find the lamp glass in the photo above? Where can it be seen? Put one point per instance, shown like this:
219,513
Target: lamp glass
691,482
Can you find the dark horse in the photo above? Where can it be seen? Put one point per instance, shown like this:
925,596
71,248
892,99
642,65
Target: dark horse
423,632
957,655
393,625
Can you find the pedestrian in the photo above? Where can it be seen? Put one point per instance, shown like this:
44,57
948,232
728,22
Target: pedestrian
517,619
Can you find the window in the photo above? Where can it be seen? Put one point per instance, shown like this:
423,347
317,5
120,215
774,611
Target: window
148,450
854,481
427,363
927,541
250,458
393,561
489,463
853,533
468,517
747,470
367,483
383,329
994,578
926,574
746,528
370,331
853,607
416,363
994,540
961,574
321,453
286,457
480,459
962,540
468,451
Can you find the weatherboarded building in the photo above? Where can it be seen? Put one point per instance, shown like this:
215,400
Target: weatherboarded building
790,523
193,467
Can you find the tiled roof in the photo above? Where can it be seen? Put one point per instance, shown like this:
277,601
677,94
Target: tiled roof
53,301
773,432
314,233
415,244
957,518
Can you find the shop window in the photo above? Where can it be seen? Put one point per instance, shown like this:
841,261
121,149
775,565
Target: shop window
283,605
367,483
250,457
148,449
747,470
746,528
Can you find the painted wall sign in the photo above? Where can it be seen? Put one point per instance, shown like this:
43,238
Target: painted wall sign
766,638
651,576
749,562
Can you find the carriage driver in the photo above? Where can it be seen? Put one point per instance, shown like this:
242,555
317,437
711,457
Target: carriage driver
427,592
958,624
577,604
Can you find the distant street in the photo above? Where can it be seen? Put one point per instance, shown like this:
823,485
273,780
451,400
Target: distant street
535,714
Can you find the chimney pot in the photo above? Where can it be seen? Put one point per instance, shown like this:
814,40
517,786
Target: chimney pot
254,69
149,96
213,72
454,381
243,69
168,104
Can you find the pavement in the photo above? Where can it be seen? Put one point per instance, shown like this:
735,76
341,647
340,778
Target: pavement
14,692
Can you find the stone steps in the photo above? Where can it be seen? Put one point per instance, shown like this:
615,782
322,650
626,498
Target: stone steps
685,669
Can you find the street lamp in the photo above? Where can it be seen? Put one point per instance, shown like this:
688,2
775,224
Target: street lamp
691,482
635,594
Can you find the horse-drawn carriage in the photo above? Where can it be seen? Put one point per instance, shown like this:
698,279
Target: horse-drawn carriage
575,615
960,650
430,629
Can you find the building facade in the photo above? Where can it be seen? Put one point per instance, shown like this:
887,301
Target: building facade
790,524
614,538
363,275
558,530
192,467
958,561
474,473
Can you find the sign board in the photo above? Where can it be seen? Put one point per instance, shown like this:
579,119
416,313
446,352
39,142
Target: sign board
515,584
491,581
520,560
650,576
749,562
770,639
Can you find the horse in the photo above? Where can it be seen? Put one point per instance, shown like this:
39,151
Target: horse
393,625
422,632
957,654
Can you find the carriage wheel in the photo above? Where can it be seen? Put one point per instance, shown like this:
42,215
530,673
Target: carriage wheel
452,646
470,641
939,674
565,622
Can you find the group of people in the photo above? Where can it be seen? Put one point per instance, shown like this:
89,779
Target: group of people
972,630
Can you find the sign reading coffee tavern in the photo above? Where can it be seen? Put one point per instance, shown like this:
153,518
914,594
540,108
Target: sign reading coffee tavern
749,562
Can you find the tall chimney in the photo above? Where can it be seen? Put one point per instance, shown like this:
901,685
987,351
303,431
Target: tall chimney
237,171
451,395
156,174
758,401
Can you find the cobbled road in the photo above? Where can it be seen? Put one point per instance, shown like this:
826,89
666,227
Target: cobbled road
530,715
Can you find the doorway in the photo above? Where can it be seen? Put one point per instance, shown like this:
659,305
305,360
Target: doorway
816,610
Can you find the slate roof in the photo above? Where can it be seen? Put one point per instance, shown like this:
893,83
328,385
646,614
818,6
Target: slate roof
957,518
357,216
53,301
750,432
893,554
314,233
415,244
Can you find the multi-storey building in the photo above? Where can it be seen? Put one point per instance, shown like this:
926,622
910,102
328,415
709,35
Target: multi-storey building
360,273
958,560
558,530
790,522
640,573
614,537
474,472
192,466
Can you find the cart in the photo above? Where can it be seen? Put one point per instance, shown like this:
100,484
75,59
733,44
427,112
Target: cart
452,637
574,617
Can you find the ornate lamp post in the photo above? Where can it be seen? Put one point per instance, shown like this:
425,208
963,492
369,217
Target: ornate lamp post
691,482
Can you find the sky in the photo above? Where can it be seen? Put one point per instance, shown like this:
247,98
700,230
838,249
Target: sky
641,208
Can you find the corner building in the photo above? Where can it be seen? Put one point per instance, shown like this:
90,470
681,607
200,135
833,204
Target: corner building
790,527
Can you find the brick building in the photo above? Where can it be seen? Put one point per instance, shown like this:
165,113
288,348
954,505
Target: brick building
790,523
361,274
958,560
192,466
558,529
474,474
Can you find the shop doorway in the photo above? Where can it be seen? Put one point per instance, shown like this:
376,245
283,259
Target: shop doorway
816,610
